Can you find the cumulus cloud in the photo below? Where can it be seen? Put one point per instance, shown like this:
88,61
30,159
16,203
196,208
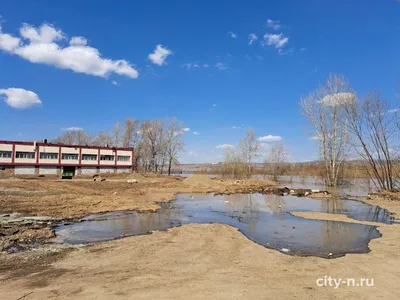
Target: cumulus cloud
252,38
8,42
220,66
114,82
196,133
44,45
20,98
277,40
276,25
338,99
186,129
232,35
393,110
224,146
159,55
72,128
269,138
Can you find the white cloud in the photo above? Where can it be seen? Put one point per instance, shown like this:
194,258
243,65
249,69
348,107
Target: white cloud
285,52
259,57
114,82
196,133
315,138
43,46
269,138
214,105
194,65
220,66
338,99
303,49
191,65
159,55
72,128
20,98
276,25
277,40
8,42
395,110
232,35
252,38
224,146
186,129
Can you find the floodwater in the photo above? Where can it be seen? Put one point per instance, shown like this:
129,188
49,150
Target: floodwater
265,219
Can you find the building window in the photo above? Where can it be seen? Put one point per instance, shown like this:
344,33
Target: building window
89,157
29,155
44,155
5,154
107,157
2,168
124,158
69,156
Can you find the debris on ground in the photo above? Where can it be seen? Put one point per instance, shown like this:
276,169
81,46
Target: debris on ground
98,178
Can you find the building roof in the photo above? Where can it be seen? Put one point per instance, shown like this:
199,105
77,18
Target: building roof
31,143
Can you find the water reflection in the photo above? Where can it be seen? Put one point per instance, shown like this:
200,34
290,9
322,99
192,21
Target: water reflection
264,219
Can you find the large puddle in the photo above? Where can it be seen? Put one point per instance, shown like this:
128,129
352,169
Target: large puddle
265,219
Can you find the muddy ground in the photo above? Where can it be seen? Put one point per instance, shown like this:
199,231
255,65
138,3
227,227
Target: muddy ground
189,262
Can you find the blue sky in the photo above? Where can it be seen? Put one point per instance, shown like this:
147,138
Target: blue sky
213,76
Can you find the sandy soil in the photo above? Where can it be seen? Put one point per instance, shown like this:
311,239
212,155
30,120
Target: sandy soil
198,262
332,217
79,197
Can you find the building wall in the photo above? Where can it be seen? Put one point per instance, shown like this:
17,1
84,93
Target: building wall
47,170
88,170
124,170
23,170
48,149
25,148
4,147
90,151
106,170
38,162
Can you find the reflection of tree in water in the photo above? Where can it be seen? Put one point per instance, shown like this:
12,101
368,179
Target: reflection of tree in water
341,236
246,207
363,212
275,205
338,236
148,221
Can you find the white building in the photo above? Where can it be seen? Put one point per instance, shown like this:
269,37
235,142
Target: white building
34,158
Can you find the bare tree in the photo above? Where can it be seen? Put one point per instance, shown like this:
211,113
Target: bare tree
152,134
130,134
276,158
103,139
249,147
76,137
325,110
174,144
117,134
374,128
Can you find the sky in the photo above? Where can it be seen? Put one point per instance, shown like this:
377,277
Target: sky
219,66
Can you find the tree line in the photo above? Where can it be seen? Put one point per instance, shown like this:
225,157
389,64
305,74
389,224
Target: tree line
350,127
156,143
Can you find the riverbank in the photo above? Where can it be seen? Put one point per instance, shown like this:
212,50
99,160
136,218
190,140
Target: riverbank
192,261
